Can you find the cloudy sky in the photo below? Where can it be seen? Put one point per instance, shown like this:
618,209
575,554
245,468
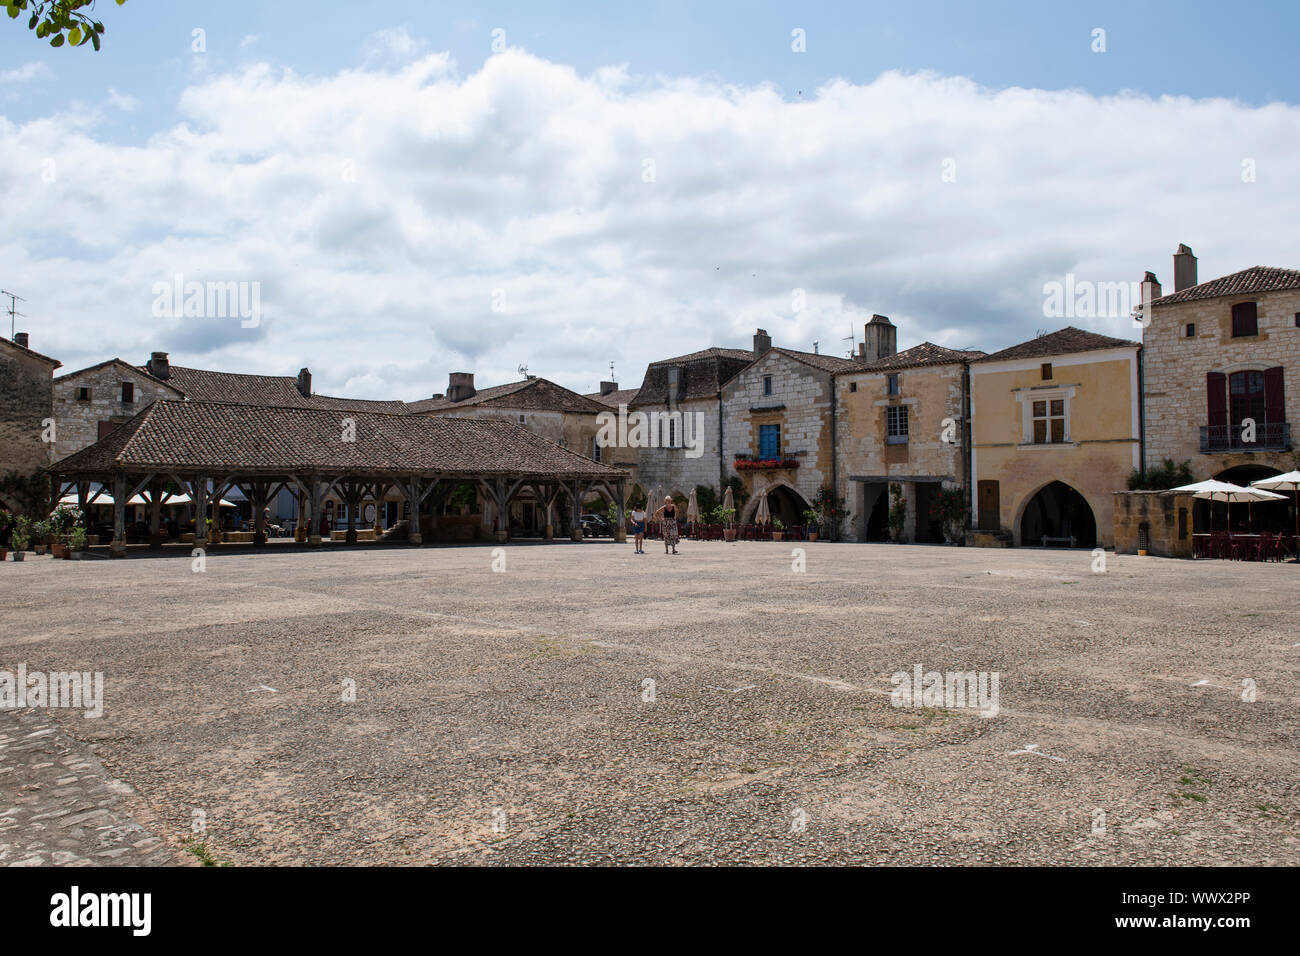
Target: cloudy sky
417,188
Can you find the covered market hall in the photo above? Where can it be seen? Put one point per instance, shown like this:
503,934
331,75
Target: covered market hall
202,450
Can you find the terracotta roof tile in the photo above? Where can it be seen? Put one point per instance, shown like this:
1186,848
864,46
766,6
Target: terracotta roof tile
927,353
192,437
1245,282
540,394
1062,342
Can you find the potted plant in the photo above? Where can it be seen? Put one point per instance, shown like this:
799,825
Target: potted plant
62,520
949,507
778,529
76,543
897,514
18,540
728,517
810,524
40,535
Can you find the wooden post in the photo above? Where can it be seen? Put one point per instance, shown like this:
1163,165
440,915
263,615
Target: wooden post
199,494
317,509
575,532
155,515
620,498
411,489
117,549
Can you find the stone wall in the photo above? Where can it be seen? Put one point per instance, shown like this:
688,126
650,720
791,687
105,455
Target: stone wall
800,403
672,468
1175,366
25,402
78,420
936,445
1165,516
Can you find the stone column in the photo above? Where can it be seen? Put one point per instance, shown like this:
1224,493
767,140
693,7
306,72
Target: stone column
909,524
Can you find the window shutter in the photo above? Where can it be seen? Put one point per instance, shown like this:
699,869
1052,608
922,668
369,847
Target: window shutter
1274,408
1216,395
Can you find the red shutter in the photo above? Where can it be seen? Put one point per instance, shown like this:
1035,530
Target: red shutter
1216,396
1274,408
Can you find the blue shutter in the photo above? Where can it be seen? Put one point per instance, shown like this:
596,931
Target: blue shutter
769,441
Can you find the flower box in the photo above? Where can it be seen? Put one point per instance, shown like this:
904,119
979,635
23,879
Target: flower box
765,464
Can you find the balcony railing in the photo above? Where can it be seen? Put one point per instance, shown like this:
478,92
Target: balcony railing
1271,436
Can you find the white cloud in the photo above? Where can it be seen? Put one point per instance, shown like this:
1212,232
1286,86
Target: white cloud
381,208
123,101
248,41
35,70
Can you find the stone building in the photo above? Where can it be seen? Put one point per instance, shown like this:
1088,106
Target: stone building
901,418
1221,370
26,406
90,402
542,407
681,398
1056,431
777,430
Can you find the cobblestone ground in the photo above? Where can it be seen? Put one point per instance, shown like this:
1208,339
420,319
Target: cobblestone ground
578,703
58,806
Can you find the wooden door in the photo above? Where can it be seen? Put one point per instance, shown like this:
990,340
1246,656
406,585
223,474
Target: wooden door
989,495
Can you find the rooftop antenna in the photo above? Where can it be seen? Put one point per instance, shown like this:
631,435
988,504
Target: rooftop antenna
611,372
852,339
13,310
523,370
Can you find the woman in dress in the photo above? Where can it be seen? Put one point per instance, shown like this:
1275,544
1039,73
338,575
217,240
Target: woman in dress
667,514
638,529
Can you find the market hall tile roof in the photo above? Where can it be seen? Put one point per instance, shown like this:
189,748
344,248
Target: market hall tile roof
1062,342
1247,281
188,437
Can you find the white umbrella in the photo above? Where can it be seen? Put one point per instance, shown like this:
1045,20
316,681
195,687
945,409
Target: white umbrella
104,498
1226,491
692,508
729,503
764,513
1287,482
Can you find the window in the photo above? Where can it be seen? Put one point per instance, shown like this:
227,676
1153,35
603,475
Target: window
1191,330
896,425
83,394
1245,319
128,393
521,419
1246,397
1297,320
853,386
1046,371
767,385
1049,421
595,448
892,381
769,442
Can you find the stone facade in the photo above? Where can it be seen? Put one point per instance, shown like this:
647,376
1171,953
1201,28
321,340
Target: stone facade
791,392
933,454
90,401
26,402
1030,487
1179,401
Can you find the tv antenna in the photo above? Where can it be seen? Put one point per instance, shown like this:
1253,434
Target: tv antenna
852,339
523,370
13,310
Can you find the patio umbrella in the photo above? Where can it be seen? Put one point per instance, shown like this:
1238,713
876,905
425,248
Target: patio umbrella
692,508
729,503
1288,482
764,514
1225,491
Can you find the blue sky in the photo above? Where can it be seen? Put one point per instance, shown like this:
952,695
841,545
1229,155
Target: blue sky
813,171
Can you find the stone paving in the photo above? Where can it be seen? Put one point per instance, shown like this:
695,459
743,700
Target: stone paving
58,806
578,703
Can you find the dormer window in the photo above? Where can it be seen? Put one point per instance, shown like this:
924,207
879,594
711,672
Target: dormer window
1245,319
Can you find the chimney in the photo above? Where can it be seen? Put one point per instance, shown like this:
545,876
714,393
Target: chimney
879,339
20,338
158,366
607,387
762,342
1184,268
460,386
304,382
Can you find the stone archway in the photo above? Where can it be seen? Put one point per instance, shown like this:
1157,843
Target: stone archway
783,500
1058,512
